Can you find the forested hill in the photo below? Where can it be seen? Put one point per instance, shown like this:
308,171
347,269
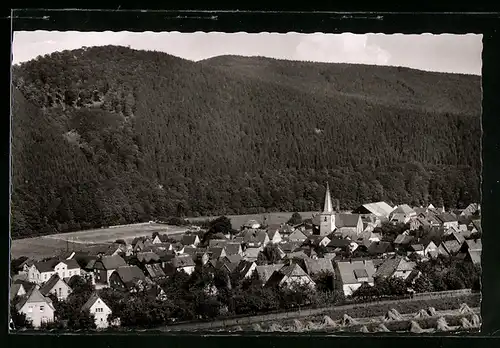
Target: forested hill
110,135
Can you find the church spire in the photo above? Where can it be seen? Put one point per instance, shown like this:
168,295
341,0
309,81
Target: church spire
328,201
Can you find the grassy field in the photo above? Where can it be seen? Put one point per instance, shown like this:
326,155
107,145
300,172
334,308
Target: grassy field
272,218
40,247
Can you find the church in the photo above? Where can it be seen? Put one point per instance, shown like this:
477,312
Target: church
330,220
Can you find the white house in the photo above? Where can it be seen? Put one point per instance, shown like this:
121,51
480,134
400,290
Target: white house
402,214
40,272
431,250
274,236
56,286
37,308
99,309
67,268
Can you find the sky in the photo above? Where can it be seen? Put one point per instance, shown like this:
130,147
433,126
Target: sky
442,53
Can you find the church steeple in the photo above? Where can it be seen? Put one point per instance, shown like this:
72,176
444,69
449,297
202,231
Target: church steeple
328,201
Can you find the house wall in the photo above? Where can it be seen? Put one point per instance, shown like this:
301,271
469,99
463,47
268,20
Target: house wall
188,269
45,276
34,275
61,290
350,288
401,274
289,281
327,224
38,312
450,224
101,312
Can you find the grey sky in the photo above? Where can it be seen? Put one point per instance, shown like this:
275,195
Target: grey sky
444,53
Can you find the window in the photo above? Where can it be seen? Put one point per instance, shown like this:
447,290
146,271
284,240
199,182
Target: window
325,218
42,308
60,291
98,310
45,276
70,273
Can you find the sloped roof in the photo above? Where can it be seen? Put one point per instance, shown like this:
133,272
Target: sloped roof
232,248
452,246
293,270
388,267
381,247
404,209
234,258
475,256
289,246
346,220
154,270
189,239
475,245
319,265
266,271
403,239
147,257
254,236
339,243
14,289
93,299
33,296
49,284
446,217
379,209
71,264
346,270
297,235
214,243
190,250
417,247
477,225
316,239
216,252
272,233
252,253
300,254
130,274
183,261
46,266
112,262
243,267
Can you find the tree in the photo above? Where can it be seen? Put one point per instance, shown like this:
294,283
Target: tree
270,254
18,319
295,219
423,284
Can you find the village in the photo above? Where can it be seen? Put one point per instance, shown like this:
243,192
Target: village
356,249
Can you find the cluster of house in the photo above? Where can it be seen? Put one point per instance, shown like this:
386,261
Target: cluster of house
343,244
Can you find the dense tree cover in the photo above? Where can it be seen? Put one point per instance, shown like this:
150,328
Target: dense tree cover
448,273
295,219
110,135
269,255
392,286
19,320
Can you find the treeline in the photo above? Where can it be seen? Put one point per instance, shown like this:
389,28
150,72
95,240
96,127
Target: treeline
110,135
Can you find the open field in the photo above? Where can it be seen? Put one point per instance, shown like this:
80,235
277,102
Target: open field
45,246
272,218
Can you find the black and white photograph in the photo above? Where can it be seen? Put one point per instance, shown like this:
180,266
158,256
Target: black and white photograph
245,182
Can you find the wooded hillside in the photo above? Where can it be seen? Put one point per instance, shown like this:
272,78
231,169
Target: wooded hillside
111,135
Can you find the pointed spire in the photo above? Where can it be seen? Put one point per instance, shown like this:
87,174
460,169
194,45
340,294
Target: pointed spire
328,201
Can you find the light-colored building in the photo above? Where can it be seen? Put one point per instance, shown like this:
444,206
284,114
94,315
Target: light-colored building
37,308
402,214
67,268
57,287
99,309
354,273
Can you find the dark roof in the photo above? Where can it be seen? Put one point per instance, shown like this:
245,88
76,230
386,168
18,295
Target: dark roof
477,225
182,261
417,247
215,252
234,258
46,266
113,262
49,284
376,248
346,220
290,246
129,274
243,267
71,264
92,299
26,284
403,239
339,243
319,265
232,248
154,270
217,243
189,239
360,273
452,246
446,217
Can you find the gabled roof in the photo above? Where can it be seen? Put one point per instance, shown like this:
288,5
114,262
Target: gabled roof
112,262
475,256
417,247
316,239
272,233
181,261
289,246
474,245
446,217
347,268
90,302
377,248
189,239
266,271
148,256
71,264
130,274
216,252
34,296
452,246
46,266
154,270
403,239
300,254
232,248
297,235
339,243
477,225
49,284
14,289
319,265
252,253
243,267
234,258
379,209
255,236
347,220
403,209
217,243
